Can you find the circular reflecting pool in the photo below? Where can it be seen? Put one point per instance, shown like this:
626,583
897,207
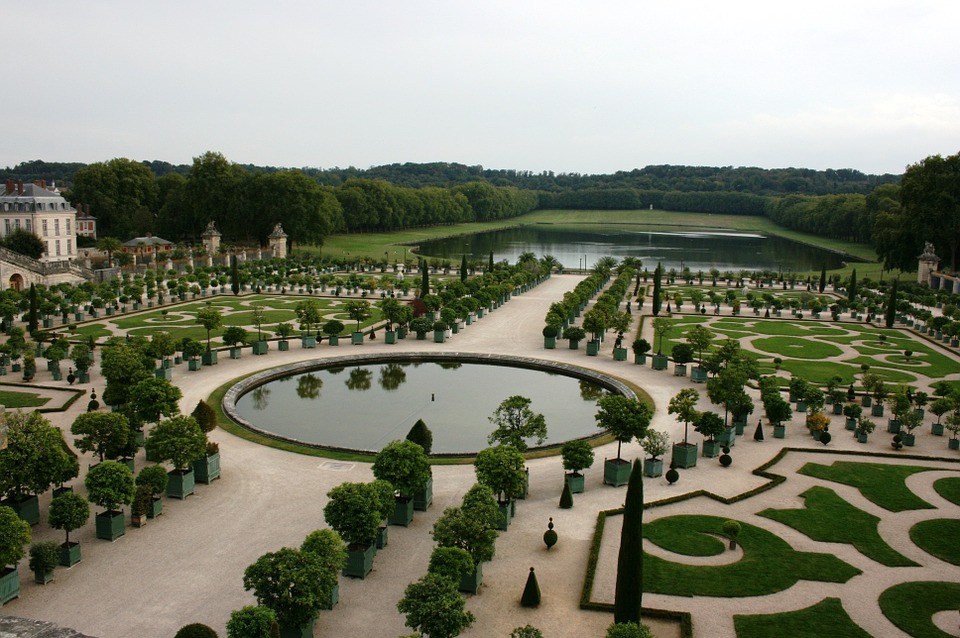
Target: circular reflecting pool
363,403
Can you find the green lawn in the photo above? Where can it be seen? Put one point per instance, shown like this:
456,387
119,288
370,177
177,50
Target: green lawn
768,564
883,485
826,619
911,606
949,488
828,518
938,537
12,399
797,348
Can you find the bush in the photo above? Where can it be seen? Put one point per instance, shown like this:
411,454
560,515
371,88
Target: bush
110,485
253,622
205,415
566,497
527,631
550,331
574,333
629,630
68,511
44,556
196,630
154,478
450,562
577,455
421,435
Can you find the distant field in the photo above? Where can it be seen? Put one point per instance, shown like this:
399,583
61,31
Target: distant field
403,243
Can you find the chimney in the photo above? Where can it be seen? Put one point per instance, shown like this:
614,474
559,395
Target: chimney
86,209
9,186
19,187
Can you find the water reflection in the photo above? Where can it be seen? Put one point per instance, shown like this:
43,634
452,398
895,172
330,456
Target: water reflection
261,398
308,386
360,379
392,376
590,391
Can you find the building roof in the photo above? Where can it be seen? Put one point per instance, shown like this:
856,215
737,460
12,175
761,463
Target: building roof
148,240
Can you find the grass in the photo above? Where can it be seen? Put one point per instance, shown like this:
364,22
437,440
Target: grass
797,348
13,399
882,485
826,619
768,564
948,488
938,537
830,519
911,606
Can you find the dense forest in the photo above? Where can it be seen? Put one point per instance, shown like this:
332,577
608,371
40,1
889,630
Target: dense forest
177,201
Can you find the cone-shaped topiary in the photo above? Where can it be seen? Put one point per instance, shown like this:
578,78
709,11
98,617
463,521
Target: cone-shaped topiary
566,497
421,435
758,433
531,592
205,415
550,536
196,630
629,590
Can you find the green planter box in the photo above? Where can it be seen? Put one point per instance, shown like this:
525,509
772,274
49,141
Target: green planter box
739,423
163,373
616,472
333,339
680,370
283,346
698,375
423,499
593,348
711,449
893,426
549,343
684,455
9,584
69,554
181,484
42,578
779,431
471,581
801,406
619,354
193,365
576,482
876,410
866,401
209,358
110,525
332,601
728,438
302,631
260,347
937,429
851,424
383,537
574,344
207,469
439,336
27,508
311,342
660,362
862,437
838,408
236,353
909,439
640,359
359,561
390,337
402,512
356,338
505,515
652,467
155,508
953,444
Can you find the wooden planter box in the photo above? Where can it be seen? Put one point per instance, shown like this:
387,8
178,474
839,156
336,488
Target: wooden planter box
359,561
727,438
69,554
283,346
893,426
909,439
207,469
311,342
260,347
156,507
953,444
236,353
27,508
779,431
680,370
163,373
711,449
402,512
877,410
862,437
209,358
110,525
937,429
576,482
390,337
505,515
383,537
193,365
653,467
684,455
851,424
181,484
439,336
549,343
616,472
356,338
660,362
593,348
698,375
471,581
423,499
302,631
640,359
619,354
866,401
9,584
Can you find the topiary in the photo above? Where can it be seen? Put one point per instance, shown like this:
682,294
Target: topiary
44,556
628,630
550,331
196,630
726,460
527,631
672,476
155,478
253,621
550,537
731,529
566,497
421,435
531,591
825,438
205,415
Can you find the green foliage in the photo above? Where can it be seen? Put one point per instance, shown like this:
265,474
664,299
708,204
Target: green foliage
434,607
358,310
628,630
34,457
566,496
295,584
481,503
655,443
210,319
404,465
152,398
826,618
103,433
353,510
179,440
252,622
123,366
626,419
683,404
450,562
14,534
531,591
682,353
44,556
154,478
332,327
881,484
386,497
205,415
628,599
577,455
24,242
516,422
710,425
501,468
235,336
110,484
421,435
731,529
912,606
527,631
68,511
461,527
326,545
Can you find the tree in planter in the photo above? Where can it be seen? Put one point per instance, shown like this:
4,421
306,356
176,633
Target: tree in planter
253,621
103,433
258,315
68,511
110,485
353,511
421,435
34,457
358,310
501,469
295,584
210,319
206,416
404,465
192,349
284,330
682,354
433,607
332,328
44,557
516,422
14,535
235,336
596,321
941,406
449,562
162,346
392,311
700,337
124,365
154,478
626,419
480,503
327,545
179,440
577,455
710,425
574,333
684,405
655,443
641,347
458,527
152,399
421,326
661,326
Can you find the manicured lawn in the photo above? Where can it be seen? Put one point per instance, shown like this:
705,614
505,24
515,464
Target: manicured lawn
911,606
829,518
797,348
768,564
883,485
949,488
826,619
13,399
938,537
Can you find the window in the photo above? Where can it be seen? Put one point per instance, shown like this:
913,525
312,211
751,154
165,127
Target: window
68,225
69,246
29,226
44,228
57,243
56,228
16,224
6,224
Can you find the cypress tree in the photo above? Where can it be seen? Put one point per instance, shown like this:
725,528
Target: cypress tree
657,274
852,293
421,435
892,305
234,275
424,279
490,265
629,594
205,415
463,268
32,323
823,279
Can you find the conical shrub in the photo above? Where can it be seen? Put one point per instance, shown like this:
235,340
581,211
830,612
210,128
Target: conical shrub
531,592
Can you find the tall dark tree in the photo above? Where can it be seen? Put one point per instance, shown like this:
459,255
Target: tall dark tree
930,194
490,262
657,275
892,305
463,268
852,292
234,275
628,599
24,242
424,278
823,280
32,323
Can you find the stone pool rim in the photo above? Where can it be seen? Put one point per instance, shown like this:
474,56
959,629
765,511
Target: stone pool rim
248,384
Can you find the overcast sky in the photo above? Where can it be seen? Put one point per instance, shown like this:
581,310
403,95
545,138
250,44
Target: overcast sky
586,87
